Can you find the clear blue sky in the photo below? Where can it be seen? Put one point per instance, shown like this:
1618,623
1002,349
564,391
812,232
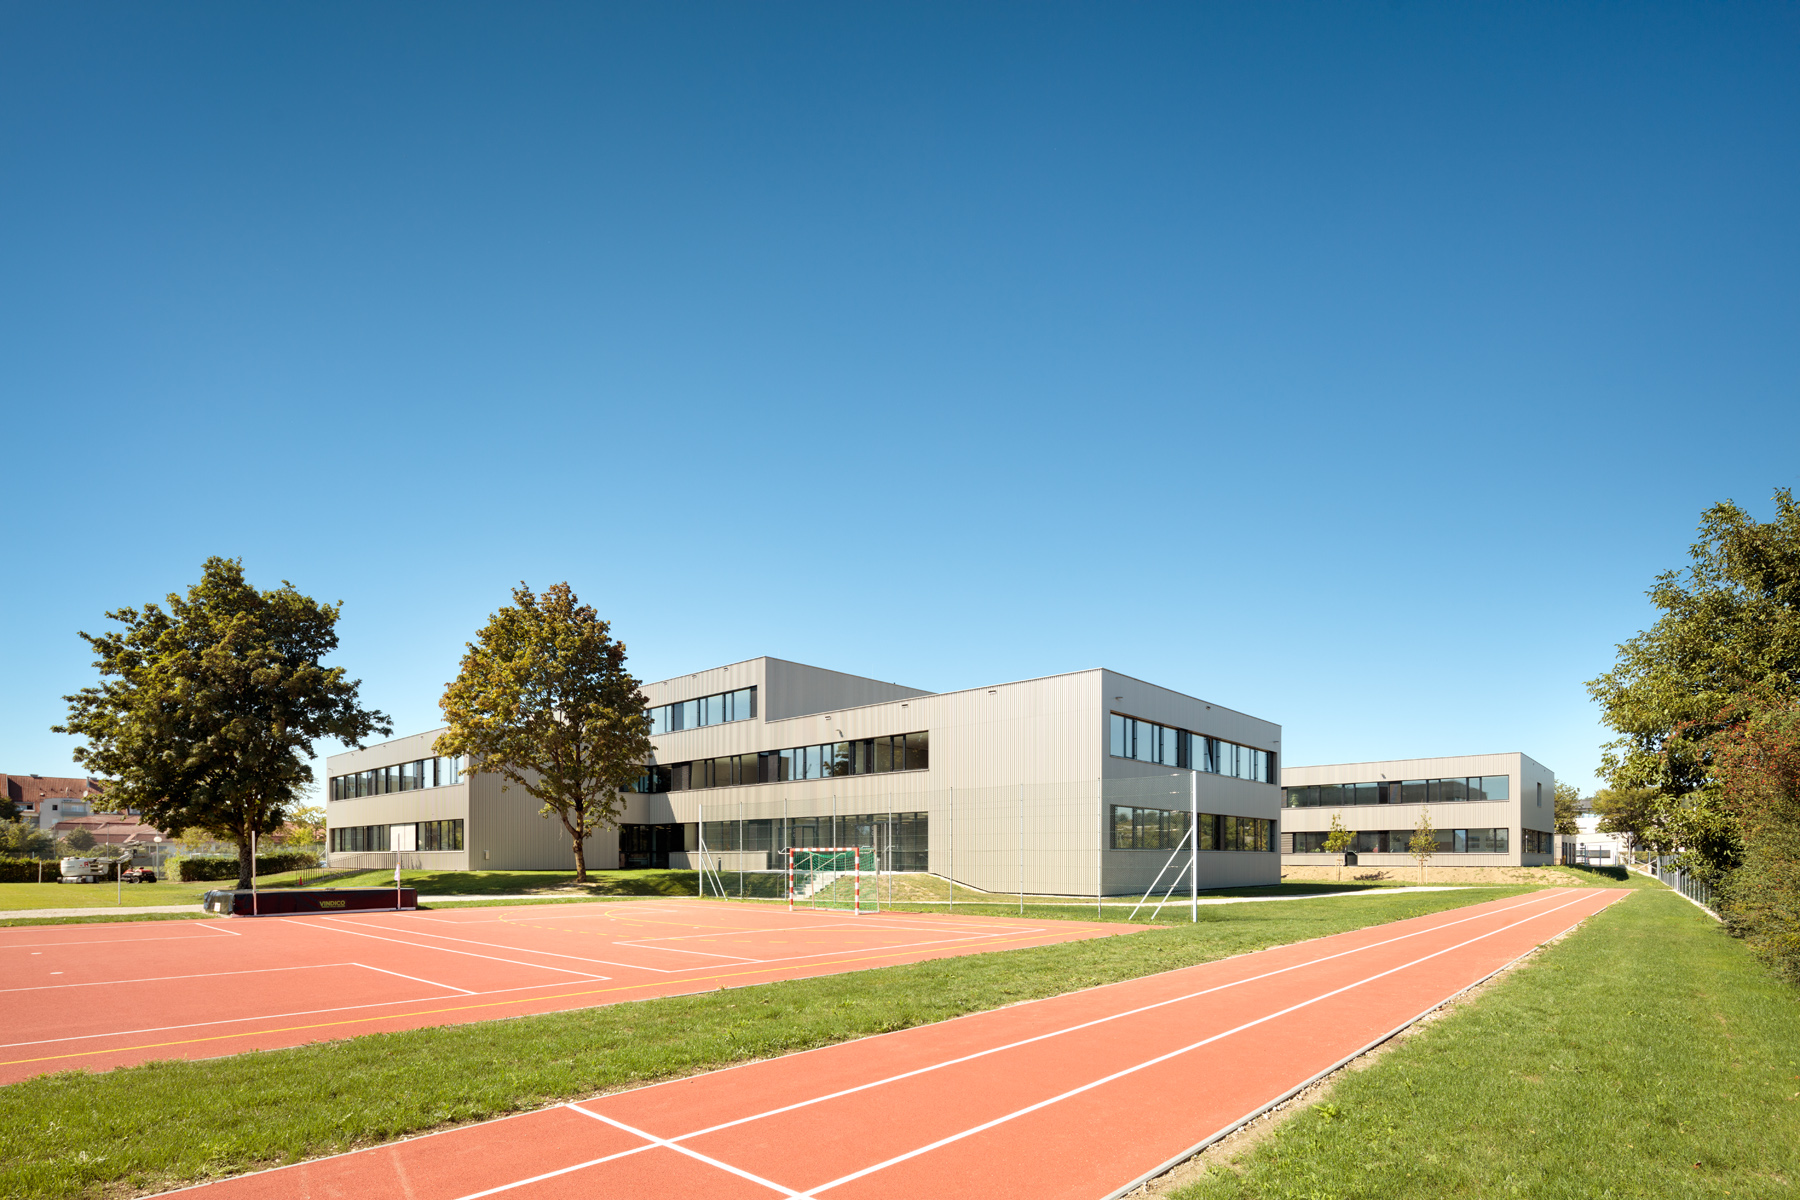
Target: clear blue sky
1355,365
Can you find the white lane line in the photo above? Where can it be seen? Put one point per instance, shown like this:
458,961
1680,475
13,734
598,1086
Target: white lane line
862,1087
581,1166
432,982
1162,1058
695,1154
468,953
169,978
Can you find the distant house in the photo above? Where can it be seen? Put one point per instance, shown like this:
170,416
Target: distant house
45,800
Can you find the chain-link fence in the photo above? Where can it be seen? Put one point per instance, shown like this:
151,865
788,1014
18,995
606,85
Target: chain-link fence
1022,844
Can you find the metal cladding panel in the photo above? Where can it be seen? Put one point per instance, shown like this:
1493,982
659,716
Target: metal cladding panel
795,689
1131,872
748,673
396,808
506,833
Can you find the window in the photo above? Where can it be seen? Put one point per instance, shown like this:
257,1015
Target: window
440,835
1539,843
1410,791
401,777
358,839
866,756
1145,741
1164,829
718,709
1397,841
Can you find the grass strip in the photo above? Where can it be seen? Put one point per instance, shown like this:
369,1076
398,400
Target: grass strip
1645,1055
165,1123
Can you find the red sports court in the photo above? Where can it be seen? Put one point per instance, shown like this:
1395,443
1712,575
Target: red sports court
1081,1096
102,996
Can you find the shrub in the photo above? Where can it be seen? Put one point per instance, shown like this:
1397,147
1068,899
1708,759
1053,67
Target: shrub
204,870
25,870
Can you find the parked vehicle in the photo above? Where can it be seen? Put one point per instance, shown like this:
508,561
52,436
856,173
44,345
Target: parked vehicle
85,870
138,875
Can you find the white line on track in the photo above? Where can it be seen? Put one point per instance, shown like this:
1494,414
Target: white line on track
468,953
692,1153
862,1087
198,975
1162,1058
434,983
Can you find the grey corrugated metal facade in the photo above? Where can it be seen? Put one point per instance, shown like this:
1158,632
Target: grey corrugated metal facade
1021,789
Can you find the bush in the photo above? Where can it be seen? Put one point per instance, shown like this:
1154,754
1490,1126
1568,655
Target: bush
25,870
204,870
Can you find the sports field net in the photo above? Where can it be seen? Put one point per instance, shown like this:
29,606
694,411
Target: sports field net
837,877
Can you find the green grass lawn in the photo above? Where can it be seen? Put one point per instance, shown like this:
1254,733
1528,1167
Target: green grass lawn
1646,1055
171,1122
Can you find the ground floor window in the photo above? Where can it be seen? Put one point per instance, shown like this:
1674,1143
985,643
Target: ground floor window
424,835
900,841
359,839
1397,841
1165,828
1539,843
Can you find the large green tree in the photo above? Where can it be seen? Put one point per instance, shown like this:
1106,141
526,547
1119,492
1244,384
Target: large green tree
207,711
1568,807
544,701
1730,624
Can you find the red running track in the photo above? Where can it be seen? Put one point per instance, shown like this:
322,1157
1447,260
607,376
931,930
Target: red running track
103,996
1082,1096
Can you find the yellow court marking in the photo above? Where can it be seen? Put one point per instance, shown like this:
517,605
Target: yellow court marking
227,1037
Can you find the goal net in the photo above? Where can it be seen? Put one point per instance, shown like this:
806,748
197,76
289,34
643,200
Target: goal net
832,877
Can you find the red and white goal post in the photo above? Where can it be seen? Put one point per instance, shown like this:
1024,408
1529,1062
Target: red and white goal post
827,877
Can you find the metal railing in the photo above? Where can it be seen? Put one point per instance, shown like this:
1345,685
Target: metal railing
1695,890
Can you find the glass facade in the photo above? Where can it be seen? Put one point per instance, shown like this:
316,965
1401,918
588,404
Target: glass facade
1538,843
900,840
1163,829
1399,791
429,835
1395,841
706,710
1148,742
868,756
400,777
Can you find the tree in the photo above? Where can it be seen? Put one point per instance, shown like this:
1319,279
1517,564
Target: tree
1568,806
207,712
26,840
1424,842
1757,766
9,808
543,699
305,826
1337,841
80,838
1730,624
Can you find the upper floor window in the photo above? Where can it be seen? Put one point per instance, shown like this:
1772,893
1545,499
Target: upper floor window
705,710
399,777
1146,741
1401,791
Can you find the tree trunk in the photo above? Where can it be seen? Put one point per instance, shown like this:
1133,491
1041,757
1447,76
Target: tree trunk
246,862
580,862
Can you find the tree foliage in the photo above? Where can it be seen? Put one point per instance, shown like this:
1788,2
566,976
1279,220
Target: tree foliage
1568,807
25,840
1730,624
1756,763
208,710
544,701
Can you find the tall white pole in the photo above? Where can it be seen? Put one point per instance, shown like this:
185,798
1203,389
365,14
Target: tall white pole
1100,846
700,842
950,871
1194,847
1021,849
253,909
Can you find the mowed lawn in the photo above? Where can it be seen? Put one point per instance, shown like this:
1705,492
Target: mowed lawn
1645,1055
161,1124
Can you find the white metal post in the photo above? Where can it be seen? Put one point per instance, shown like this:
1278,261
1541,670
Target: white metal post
1100,846
1021,849
950,873
700,842
1194,847
253,909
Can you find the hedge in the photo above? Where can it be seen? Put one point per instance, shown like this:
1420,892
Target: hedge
202,870
25,870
